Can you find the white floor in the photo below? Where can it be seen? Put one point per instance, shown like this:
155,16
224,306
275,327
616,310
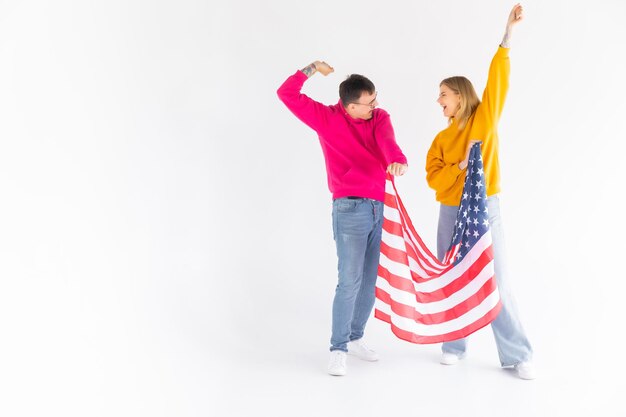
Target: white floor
408,380
172,347
193,375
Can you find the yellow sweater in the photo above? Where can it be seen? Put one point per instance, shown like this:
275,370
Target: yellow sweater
448,148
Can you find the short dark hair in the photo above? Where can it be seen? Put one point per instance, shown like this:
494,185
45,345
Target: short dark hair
351,88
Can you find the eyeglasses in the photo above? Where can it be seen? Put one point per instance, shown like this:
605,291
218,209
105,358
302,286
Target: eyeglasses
372,104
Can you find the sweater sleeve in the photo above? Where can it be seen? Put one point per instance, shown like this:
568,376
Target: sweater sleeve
386,140
439,175
497,87
313,114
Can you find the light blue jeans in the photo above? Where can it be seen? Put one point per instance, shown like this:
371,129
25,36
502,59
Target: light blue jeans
357,228
513,345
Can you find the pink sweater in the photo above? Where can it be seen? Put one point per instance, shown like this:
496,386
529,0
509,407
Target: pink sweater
357,152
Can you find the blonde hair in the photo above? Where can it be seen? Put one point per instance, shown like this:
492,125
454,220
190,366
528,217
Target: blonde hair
469,99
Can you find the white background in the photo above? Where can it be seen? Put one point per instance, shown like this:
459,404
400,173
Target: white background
165,235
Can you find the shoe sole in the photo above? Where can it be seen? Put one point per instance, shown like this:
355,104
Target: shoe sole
450,362
336,373
362,357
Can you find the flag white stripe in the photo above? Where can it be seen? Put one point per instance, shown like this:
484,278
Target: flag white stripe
437,265
396,268
453,325
394,241
392,214
408,298
395,215
446,278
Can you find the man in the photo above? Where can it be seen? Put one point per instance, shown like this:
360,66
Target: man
359,146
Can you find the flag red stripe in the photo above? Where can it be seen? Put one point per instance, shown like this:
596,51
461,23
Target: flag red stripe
401,257
394,280
428,257
396,229
459,283
459,334
410,226
458,310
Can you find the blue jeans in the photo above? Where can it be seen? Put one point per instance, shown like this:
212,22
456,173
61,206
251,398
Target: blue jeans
513,345
357,228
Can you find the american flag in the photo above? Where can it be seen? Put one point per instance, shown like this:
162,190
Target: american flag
428,301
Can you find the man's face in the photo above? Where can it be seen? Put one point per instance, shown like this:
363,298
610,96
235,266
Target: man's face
363,107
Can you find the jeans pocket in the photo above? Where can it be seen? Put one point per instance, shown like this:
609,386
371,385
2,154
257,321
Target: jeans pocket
345,205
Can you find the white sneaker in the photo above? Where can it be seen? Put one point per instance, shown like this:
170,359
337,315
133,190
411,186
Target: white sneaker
337,363
359,349
525,370
449,358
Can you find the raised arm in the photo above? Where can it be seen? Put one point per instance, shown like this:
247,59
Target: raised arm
516,15
309,111
497,87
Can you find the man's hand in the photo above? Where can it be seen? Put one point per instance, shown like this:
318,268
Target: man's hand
317,66
396,169
464,162
323,67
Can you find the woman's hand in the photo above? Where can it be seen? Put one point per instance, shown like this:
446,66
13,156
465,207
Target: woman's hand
516,15
464,162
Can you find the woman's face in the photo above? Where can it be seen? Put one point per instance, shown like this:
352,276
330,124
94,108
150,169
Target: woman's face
448,100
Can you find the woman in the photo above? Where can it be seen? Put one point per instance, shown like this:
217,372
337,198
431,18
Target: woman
471,121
